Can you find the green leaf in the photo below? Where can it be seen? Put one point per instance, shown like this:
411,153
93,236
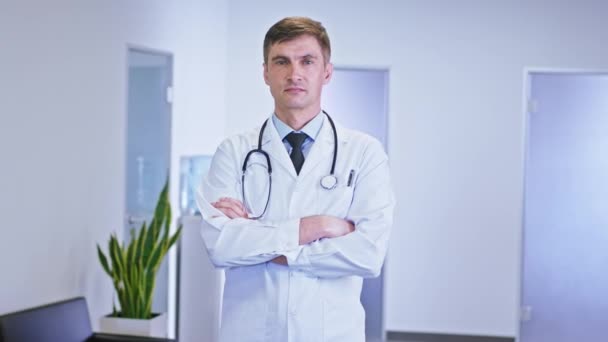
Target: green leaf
122,300
165,238
104,261
175,237
155,258
140,243
150,283
148,245
116,257
160,211
129,257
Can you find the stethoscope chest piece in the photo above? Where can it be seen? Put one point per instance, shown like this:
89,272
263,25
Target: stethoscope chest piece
329,182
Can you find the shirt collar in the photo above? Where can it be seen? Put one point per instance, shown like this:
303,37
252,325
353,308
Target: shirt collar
311,129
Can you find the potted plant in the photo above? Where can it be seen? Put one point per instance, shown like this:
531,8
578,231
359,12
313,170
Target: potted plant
133,267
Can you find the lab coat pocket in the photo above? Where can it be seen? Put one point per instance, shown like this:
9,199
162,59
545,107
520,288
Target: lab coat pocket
335,202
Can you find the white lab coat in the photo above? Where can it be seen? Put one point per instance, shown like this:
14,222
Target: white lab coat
317,297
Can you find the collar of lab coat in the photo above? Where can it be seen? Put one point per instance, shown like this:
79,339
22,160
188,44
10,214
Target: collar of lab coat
321,150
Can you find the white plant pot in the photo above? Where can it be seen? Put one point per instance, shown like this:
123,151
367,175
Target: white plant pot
155,327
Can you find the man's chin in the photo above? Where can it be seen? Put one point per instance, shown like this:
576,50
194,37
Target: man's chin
294,105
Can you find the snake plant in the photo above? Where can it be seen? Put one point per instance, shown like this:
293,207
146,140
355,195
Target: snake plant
133,267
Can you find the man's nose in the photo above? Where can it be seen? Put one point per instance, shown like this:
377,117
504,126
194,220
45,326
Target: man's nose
295,72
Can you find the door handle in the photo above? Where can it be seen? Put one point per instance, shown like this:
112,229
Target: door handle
132,219
526,313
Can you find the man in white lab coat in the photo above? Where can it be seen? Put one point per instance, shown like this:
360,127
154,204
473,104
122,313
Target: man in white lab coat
298,231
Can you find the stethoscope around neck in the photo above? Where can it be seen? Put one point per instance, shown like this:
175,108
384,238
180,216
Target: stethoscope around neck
328,182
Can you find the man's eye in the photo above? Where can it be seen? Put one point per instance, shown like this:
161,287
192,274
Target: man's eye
308,61
281,62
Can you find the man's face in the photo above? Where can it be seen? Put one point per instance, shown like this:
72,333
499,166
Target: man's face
296,72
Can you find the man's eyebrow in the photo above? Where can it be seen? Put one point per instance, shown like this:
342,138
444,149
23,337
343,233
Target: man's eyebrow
306,56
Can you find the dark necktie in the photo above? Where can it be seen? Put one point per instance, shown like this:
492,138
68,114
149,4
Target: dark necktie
297,157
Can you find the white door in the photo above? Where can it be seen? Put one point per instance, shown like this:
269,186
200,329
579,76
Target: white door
148,146
357,99
565,261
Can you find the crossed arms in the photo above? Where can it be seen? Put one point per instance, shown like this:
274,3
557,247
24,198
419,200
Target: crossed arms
321,246
311,228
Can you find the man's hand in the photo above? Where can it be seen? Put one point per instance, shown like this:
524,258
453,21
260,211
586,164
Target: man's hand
281,260
231,207
321,226
317,227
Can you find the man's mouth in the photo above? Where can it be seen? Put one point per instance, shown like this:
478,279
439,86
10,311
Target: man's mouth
294,90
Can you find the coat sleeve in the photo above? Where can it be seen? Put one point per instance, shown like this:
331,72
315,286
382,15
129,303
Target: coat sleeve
238,242
361,252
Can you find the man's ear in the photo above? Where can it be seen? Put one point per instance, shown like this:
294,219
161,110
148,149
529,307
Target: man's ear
265,71
329,70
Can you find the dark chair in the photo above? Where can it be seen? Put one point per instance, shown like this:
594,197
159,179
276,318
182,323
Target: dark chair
65,321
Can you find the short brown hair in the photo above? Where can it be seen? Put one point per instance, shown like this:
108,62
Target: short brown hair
293,27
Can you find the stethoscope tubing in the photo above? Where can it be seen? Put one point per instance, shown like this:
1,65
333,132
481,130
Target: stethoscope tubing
269,165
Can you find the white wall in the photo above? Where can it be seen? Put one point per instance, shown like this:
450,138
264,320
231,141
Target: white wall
456,134
62,130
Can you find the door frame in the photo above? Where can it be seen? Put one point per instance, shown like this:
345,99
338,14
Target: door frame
528,73
171,256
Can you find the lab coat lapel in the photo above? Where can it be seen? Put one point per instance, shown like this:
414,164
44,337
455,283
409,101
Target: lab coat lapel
321,150
272,144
